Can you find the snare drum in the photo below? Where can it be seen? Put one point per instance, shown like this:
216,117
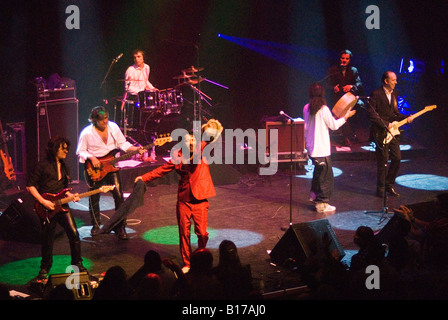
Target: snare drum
149,100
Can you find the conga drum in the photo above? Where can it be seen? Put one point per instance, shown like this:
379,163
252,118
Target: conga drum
344,104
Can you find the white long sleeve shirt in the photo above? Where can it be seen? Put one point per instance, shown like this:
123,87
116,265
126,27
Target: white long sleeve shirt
91,144
134,73
317,136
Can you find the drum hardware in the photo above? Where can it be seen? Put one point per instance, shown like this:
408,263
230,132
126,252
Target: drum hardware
182,76
192,69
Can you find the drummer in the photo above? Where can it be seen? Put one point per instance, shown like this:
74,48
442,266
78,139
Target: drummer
343,78
137,76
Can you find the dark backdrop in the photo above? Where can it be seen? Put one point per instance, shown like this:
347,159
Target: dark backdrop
298,41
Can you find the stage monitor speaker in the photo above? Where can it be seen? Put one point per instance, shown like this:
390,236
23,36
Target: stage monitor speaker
304,240
59,118
284,136
81,291
19,222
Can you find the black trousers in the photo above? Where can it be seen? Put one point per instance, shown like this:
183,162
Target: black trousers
322,184
65,219
386,175
112,178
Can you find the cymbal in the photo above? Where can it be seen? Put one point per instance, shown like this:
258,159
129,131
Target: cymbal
192,69
182,76
196,81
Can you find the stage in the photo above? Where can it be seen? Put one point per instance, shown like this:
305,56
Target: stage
253,211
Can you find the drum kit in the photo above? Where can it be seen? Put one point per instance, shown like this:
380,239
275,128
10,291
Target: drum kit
155,112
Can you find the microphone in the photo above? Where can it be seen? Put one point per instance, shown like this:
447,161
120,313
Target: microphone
118,58
284,114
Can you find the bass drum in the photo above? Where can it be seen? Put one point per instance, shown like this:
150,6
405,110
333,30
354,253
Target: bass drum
157,125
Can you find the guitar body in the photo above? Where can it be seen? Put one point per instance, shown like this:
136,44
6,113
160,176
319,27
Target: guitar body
60,199
394,131
109,160
46,214
8,167
97,174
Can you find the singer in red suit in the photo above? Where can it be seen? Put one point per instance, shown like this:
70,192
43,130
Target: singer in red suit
195,187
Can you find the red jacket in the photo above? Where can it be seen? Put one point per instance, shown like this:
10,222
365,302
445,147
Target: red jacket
195,179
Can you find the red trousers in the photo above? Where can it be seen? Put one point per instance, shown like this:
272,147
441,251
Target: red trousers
187,211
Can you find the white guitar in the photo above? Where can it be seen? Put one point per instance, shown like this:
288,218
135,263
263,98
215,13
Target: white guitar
397,124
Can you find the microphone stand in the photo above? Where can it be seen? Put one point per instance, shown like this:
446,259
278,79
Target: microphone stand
290,169
106,76
384,211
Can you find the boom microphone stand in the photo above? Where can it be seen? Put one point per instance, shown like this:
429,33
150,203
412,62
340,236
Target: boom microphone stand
384,210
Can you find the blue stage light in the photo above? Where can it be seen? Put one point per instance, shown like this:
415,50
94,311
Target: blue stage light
427,182
411,66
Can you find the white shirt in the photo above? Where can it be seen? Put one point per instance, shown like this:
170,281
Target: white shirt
317,136
91,144
135,73
388,93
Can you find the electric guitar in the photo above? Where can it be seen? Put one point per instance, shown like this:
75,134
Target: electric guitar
107,163
60,199
397,124
7,162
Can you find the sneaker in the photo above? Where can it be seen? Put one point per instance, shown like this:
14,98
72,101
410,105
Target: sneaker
324,207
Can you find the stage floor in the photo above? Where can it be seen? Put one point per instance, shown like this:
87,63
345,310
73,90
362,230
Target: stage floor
253,211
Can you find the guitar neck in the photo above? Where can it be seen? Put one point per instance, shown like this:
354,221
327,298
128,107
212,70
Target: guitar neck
82,195
129,154
415,115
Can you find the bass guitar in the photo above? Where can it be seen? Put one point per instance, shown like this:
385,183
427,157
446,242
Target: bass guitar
108,162
60,199
4,154
397,124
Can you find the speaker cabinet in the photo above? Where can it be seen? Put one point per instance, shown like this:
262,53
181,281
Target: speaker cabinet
19,222
82,290
59,118
302,241
284,135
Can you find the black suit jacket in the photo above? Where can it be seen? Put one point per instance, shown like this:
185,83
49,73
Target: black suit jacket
381,113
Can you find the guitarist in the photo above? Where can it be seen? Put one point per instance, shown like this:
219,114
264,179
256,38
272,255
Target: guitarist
52,176
95,141
382,112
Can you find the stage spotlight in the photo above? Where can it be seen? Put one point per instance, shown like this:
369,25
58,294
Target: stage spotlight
351,220
412,66
169,235
371,147
106,203
309,167
427,182
22,271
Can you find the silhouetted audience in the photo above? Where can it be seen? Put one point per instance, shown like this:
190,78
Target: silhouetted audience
235,278
115,285
60,292
370,251
149,288
199,283
153,264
